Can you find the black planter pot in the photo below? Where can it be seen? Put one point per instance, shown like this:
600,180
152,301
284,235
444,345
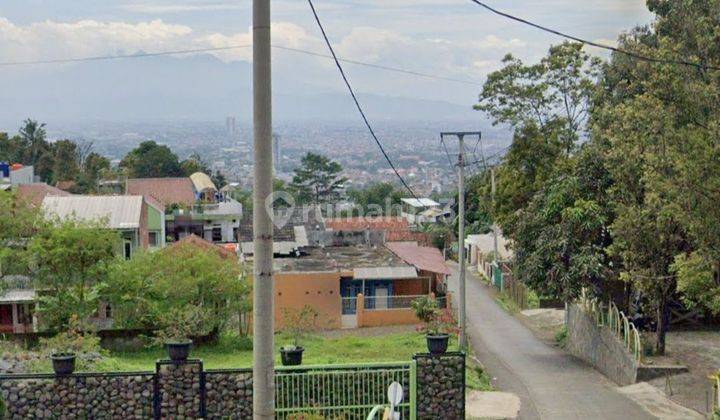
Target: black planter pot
437,343
291,357
63,363
178,351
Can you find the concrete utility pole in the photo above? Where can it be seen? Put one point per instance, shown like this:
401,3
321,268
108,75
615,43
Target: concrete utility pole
461,227
263,287
492,189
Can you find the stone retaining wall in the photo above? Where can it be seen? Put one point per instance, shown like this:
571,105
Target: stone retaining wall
441,386
78,396
187,391
600,347
229,394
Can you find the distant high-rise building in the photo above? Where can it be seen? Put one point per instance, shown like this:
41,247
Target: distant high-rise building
276,148
230,126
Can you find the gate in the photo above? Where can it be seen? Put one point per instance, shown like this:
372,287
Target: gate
345,392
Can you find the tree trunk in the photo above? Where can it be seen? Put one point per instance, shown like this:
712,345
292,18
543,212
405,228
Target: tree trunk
662,325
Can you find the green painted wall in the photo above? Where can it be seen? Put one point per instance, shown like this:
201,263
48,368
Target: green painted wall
154,219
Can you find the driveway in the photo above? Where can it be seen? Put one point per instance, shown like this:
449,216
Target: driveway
551,384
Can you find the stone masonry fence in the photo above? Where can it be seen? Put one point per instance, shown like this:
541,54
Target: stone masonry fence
185,390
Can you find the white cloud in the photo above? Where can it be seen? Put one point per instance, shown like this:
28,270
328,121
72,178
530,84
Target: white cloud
49,39
179,8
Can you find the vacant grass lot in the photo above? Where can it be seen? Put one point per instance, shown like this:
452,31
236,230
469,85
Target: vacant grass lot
234,353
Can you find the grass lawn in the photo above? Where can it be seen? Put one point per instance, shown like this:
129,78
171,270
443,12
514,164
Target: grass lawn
318,350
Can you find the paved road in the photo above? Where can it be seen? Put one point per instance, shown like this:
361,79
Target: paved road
551,384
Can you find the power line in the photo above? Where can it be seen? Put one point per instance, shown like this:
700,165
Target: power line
234,47
357,103
121,56
595,44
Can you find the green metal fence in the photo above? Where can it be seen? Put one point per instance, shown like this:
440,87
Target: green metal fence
344,392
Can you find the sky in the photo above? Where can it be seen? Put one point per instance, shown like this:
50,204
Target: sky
450,38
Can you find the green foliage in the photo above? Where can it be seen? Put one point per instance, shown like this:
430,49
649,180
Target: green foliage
151,160
18,223
299,323
317,179
697,281
71,260
184,291
376,199
425,308
562,336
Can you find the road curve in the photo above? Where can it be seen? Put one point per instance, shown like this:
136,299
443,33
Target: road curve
551,383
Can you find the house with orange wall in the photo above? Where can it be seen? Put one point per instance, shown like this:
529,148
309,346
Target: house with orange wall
352,286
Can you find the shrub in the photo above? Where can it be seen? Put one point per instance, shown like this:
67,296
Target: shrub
299,323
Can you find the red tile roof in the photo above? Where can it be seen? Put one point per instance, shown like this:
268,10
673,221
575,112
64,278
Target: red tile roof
354,224
422,257
166,190
198,242
34,194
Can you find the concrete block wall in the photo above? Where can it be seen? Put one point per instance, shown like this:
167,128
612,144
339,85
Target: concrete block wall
600,347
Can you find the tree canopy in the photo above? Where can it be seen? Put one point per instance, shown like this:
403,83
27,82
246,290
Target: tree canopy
151,160
317,180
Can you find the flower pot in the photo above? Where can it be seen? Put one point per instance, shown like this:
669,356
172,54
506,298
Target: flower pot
291,357
437,343
63,363
178,351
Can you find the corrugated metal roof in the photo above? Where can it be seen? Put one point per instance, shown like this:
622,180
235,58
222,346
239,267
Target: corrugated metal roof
202,182
422,257
121,211
384,273
18,295
420,202
282,248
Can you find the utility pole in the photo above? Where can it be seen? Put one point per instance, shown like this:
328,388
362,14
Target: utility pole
263,287
461,227
492,189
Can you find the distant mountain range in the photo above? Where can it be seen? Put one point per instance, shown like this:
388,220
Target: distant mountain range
194,88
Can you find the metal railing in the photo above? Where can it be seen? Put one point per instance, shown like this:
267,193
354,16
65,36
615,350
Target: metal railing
390,302
616,321
342,391
349,305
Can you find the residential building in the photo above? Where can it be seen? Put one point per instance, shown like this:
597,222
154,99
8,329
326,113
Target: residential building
352,286
15,174
194,206
394,228
477,247
17,306
34,194
422,210
139,220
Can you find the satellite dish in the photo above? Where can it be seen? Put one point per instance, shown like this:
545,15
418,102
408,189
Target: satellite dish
395,394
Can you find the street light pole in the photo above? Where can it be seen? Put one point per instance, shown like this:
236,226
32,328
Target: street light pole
263,287
461,229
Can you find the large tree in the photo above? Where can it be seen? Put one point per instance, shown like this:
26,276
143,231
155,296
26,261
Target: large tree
18,223
317,180
151,160
660,126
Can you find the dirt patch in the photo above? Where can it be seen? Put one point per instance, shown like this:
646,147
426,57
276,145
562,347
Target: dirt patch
700,352
544,323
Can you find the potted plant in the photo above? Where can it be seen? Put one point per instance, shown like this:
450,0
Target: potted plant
63,362
438,324
175,335
297,324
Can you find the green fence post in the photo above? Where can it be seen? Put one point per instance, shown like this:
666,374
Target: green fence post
413,390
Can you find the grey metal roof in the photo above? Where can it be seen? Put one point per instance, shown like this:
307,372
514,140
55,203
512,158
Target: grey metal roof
420,202
18,295
384,273
121,211
282,248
